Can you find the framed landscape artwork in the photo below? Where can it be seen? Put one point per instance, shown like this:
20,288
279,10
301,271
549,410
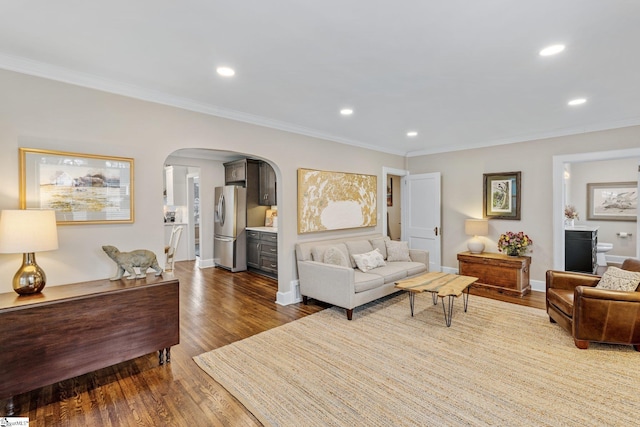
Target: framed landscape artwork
501,195
81,188
612,201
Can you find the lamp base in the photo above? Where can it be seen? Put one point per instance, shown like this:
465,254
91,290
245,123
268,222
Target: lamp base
475,245
30,278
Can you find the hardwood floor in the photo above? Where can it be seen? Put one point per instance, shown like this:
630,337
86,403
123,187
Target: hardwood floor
216,308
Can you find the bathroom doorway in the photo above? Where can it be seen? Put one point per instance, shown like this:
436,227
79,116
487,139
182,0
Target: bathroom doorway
565,194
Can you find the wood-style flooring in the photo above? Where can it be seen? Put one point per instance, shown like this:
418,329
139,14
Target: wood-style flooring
216,308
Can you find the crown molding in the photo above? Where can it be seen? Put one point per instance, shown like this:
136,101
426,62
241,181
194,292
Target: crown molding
65,75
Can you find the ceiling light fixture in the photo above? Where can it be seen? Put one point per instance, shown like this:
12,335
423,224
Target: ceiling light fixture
346,111
552,50
412,133
225,71
577,101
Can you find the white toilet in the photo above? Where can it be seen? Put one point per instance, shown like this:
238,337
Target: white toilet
601,249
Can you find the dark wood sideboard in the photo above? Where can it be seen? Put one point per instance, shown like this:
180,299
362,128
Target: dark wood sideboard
70,330
497,272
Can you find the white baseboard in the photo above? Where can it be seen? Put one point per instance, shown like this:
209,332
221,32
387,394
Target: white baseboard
205,263
291,297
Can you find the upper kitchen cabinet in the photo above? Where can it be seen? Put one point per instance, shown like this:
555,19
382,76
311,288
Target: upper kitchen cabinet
175,178
235,172
267,185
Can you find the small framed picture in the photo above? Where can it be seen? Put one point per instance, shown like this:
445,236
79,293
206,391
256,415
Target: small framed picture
501,195
612,201
81,188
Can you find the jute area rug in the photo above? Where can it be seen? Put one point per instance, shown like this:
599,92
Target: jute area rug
499,364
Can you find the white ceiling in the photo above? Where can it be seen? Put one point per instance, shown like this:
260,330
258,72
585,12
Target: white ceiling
463,73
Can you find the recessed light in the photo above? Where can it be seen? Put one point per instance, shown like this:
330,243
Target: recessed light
552,50
577,101
346,111
225,71
412,133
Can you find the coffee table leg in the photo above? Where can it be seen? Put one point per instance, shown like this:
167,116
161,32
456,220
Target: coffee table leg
434,297
465,298
412,296
448,313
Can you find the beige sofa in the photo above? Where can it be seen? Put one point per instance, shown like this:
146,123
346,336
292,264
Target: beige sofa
328,271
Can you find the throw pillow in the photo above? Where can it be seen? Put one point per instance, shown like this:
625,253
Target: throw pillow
369,260
617,279
397,251
333,255
380,245
358,247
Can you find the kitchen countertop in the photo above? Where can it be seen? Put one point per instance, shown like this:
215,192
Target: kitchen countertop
176,223
263,229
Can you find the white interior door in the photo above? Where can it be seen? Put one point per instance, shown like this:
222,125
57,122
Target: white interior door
421,215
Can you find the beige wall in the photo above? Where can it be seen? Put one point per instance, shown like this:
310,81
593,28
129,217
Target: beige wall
40,113
462,176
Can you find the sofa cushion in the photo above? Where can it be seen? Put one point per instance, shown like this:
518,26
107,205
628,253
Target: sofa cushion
358,247
366,281
336,256
397,251
391,272
380,245
317,252
411,267
616,279
369,260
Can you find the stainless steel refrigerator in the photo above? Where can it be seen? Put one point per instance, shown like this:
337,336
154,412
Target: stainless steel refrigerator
230,221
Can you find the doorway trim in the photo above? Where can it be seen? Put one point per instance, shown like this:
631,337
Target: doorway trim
559,196
386,171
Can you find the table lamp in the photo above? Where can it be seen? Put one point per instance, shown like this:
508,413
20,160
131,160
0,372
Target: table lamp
475,228
27,232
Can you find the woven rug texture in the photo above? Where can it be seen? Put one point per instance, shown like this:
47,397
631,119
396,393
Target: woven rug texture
499,364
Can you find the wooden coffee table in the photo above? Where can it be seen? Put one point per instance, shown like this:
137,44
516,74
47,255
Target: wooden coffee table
440,285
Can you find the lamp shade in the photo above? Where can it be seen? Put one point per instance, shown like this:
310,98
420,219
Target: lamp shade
476,227
25,231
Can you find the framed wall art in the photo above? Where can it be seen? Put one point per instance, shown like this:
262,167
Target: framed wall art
612,201
501,195
81,188
335,200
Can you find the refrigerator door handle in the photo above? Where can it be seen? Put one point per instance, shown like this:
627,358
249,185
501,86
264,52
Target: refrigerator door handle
220,211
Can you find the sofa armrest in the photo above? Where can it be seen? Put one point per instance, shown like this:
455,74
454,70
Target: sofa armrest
328,283
419,255
569,280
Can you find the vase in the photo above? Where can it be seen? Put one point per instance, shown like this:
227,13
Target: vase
569,222
513,252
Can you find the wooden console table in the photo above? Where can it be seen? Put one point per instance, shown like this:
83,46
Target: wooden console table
71,330
497,272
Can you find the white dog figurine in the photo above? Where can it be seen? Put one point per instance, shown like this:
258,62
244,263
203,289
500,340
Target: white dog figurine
141,258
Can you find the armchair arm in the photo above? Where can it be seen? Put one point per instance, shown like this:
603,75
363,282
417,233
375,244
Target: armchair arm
569,280
328,283
605,294
606,316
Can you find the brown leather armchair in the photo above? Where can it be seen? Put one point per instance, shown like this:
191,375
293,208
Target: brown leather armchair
591,314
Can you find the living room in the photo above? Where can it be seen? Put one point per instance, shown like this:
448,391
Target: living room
44,111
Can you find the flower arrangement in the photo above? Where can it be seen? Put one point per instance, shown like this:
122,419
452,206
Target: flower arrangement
570,212
515,244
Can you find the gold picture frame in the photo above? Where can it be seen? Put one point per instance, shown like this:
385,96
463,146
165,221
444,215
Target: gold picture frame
81,188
